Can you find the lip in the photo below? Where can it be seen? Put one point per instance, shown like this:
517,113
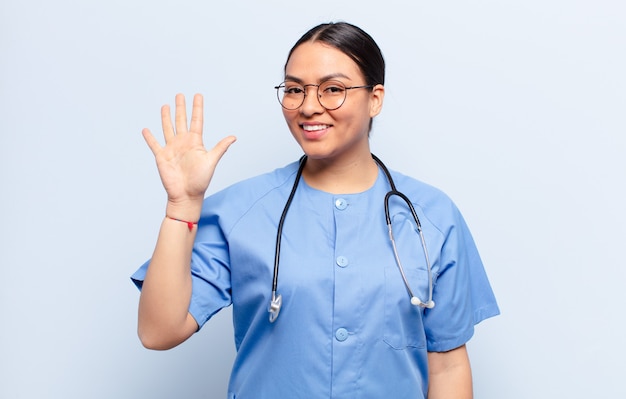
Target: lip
314,130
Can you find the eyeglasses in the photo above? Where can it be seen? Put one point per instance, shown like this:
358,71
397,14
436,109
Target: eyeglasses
331,94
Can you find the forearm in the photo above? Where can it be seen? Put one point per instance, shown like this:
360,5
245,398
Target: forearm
450,375
185,168
164,319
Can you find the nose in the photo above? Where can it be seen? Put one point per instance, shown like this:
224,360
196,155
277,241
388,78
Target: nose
311,104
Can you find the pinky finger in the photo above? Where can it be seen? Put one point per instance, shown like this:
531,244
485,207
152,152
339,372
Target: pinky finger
151,141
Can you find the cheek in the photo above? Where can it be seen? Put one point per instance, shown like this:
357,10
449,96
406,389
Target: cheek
289,116
291,120
357,118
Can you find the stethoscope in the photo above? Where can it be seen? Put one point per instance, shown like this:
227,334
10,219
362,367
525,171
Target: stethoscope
277,299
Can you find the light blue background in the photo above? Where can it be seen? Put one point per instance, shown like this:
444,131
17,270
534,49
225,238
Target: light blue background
515,108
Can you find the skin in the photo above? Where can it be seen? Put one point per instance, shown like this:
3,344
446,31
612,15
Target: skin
339,156
449,375
339,161
186,169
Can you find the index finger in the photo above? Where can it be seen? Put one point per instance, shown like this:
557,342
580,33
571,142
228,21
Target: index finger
197,116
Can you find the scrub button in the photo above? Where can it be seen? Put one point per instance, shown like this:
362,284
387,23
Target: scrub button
342,261
341,334
341,204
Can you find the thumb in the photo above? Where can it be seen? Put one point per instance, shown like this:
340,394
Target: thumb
222,146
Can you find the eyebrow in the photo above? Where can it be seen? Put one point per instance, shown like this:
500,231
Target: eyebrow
323,79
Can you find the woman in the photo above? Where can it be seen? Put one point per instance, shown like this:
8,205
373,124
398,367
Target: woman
346,317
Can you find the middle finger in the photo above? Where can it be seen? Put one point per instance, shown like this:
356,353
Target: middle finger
181,114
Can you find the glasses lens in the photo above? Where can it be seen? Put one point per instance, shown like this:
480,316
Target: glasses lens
290,95
332,94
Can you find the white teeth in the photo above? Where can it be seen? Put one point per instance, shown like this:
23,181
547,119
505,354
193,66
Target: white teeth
311,128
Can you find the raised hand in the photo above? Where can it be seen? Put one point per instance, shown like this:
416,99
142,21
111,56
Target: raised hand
184,164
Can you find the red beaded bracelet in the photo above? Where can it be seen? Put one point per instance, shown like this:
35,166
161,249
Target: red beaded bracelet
189,224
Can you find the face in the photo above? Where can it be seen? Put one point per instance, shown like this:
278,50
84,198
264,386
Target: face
337,134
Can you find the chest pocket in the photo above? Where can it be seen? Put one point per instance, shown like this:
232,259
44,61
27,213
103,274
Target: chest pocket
403,321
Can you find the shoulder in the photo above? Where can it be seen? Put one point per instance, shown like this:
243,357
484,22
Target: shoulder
258,185
435,204
239,198
421,193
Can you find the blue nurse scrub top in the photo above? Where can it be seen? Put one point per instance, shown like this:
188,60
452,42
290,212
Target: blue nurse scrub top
347,328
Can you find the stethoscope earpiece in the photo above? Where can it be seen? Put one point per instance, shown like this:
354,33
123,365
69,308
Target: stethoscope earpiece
417,302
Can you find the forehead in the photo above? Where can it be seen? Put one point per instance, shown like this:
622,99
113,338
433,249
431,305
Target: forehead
314,61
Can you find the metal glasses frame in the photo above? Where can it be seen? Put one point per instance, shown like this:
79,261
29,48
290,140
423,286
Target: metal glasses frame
319,95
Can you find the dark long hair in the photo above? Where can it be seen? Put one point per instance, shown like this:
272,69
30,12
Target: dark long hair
352,41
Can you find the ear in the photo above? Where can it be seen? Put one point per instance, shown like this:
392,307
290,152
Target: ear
376,100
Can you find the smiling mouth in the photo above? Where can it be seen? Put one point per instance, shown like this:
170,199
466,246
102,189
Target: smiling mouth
314,128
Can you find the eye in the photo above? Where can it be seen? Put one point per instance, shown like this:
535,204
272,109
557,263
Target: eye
333,88
293,89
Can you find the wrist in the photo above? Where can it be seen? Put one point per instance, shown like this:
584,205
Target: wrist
188,210
190,224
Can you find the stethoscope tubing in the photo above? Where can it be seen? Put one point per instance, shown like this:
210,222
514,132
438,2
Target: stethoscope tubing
394,191
276,301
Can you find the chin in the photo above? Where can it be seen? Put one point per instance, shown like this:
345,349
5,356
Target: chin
316,150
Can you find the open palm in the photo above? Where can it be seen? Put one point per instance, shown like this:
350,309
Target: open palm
184,164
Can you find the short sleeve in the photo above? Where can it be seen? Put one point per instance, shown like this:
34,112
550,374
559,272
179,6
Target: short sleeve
210,271
462,293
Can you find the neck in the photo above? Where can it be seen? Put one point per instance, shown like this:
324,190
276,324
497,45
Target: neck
347,176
